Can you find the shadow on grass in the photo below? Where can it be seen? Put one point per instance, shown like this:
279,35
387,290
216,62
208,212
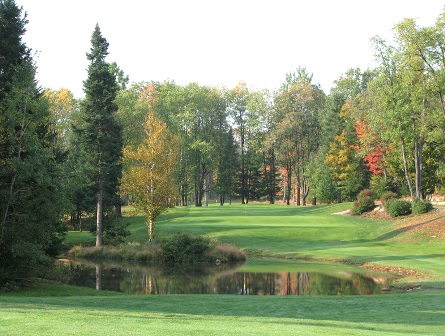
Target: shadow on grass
396,232
385,313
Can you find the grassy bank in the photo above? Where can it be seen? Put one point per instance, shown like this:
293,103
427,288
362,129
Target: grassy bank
409,246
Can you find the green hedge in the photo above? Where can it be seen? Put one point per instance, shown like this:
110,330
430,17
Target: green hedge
397,207
420,207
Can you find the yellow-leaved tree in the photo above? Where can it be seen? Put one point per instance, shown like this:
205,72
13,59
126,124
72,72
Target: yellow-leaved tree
148,175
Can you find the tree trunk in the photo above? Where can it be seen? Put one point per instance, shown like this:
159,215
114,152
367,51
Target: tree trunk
289,183
418,167
298,187
99,215
305,189
206,189
118,208
98,277
151,229
298,192
339,194
418,149
405,167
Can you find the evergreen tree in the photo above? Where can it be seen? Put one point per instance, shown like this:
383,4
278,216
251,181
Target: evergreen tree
12,50
100,134
31,200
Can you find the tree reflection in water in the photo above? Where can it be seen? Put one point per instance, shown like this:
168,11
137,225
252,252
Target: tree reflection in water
199,279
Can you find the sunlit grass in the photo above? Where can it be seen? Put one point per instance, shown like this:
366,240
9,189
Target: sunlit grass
283,233
420,313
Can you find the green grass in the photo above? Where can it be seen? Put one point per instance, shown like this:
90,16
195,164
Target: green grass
314,233
278,232
420,313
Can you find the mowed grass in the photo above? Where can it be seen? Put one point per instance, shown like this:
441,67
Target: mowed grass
315,233
97,313
283,233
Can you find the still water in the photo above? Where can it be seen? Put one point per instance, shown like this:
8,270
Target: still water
144,280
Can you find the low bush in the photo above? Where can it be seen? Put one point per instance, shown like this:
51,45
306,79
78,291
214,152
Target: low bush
365,202
183,248
397,207
386,196
420,207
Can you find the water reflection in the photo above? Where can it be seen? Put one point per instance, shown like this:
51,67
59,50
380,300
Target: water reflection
131,279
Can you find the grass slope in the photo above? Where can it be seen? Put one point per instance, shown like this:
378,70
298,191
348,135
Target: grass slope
278,232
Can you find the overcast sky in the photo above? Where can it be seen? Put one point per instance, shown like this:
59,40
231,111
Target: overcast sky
214,42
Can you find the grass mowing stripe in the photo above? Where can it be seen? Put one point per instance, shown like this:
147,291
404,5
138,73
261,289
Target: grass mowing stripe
417,313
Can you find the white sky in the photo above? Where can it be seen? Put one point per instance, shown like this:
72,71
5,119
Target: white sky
214,42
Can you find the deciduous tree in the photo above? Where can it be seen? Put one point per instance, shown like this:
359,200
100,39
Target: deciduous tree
148,177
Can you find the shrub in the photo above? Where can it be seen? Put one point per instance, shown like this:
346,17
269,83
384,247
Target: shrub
364,203
366,193
183,247
386,196
420,207
397,207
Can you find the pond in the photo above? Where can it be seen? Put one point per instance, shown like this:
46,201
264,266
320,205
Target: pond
223,279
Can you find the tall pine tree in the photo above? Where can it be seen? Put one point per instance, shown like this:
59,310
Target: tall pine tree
30,171
100,134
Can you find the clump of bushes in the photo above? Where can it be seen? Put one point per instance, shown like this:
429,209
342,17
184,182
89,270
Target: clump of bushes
398,207
179,248
365,202
420,207
186,248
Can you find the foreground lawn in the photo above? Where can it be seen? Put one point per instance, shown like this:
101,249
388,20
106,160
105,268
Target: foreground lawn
278,232
99,313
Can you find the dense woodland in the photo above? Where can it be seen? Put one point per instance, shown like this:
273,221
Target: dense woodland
159,144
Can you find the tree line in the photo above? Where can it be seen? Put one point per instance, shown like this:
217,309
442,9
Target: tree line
160,144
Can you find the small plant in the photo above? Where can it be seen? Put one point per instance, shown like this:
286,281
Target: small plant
397,207
365,202
420,207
